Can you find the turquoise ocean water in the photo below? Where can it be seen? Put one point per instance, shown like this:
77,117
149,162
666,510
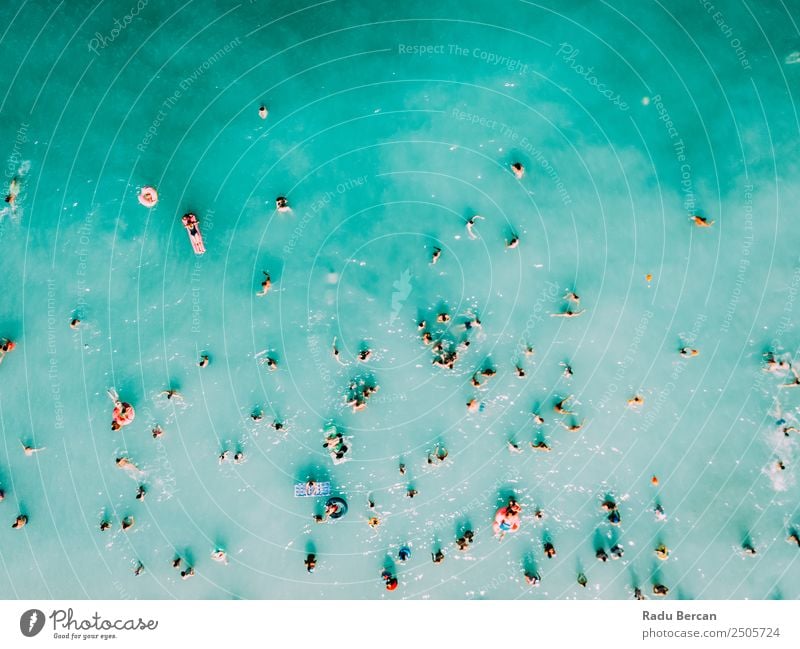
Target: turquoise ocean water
390,124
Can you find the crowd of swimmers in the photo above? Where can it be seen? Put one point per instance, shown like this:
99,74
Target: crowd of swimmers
449,339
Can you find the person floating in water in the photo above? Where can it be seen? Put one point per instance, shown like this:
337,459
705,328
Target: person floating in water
569,313
471,224
774,365
572,296
512,242
662,552
635,401
13,192
532,579
203,362
518,170
310,562
464,541
549,550
74,323
701,221
437,252
139,569
20,522
265,285
389,580
157,432
438,456
404,553
438,556
795,382
127,523
220,556
282,204
660,589
172,395
561,406
6,346
263,112
336,352
30,450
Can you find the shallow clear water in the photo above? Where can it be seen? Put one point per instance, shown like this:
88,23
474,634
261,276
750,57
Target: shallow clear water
384,152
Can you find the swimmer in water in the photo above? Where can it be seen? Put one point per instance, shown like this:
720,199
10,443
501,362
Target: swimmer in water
238,457
464,541
532,579
125,463
660,590
513,447
471,224
30,450
795,383
373,522
265,285
411,492
569,313
203,362
263,112
282,204
560,407
2,495
13,191
437,252
257,415
437,556
638,594
443,317
537,419
127,523
617,552
74,323
438,456
20,522
404,554
700,221
774,365
747,548
310,562
614,518
105,525
582,580
271,363
336,352
688,352
6,346
171,394
793,538
572,296
140,492
473,405
608,505
529,351
402,468
220,556
139,569
549,550
573,428
518,170
520,372
187,574
659,512
636,401
568,373
541,445
662,552
223,457
601,555
364,355
513,242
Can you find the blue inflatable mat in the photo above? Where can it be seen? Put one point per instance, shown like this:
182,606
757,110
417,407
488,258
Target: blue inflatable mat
302,490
